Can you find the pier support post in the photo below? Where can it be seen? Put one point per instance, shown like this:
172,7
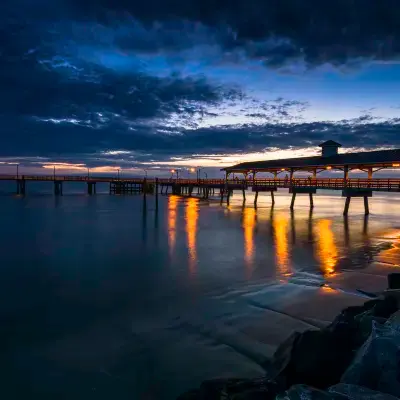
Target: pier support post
255,199
244,194
21,187
156,193
91,188
58,188
144,187
366,206
355,192
347,205
272,197
311,200
293,199
302,190
346,174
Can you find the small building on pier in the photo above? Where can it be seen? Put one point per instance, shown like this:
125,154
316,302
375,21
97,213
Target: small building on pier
330,159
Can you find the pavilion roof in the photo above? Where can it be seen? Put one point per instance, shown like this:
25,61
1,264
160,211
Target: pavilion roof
380,158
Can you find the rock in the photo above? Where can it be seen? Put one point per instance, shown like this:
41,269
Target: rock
356,392
385,308
394,320
282,356
376,365
304,392
394,280
234,389
318,359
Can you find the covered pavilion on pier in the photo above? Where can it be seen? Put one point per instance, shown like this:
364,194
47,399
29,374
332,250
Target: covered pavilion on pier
330,159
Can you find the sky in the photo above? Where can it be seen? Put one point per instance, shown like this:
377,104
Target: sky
160,84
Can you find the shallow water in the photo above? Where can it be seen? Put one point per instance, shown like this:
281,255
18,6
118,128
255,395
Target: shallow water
105,297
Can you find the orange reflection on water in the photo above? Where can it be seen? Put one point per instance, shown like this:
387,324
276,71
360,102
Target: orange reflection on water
172,206
248,224
280,225
327,251
192,215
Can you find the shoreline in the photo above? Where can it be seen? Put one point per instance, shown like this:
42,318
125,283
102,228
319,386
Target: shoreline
326,361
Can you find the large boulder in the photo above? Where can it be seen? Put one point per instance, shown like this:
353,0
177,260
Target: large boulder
318,359
376,365
234,389
394,280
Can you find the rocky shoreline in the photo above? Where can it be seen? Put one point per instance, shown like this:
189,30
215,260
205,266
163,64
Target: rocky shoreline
356,357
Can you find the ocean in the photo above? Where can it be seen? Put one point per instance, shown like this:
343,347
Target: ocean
107,297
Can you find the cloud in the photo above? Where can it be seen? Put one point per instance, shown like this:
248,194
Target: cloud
277,31
95,83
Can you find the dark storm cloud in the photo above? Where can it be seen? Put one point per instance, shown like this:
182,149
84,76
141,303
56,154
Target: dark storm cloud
83,143
71,88
280,30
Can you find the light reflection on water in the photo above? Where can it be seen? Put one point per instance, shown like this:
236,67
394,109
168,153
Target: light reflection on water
327,251
323,241
192,214
248,224
280,228
172,215
85,284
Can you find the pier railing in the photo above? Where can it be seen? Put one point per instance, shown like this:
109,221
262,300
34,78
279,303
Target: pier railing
323,183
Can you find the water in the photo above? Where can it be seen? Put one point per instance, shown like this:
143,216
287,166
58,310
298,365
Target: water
103,297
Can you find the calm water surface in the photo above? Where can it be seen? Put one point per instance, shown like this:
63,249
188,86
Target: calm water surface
105,297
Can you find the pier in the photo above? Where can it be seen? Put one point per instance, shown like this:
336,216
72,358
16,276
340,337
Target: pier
369,162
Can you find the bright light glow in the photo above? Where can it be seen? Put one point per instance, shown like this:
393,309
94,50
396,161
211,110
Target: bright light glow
192,170
172,171
328,167
396,165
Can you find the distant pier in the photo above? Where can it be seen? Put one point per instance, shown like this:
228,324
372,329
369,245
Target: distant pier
369,162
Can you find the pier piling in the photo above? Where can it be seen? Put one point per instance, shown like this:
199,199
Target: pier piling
293,199
58,189
21,187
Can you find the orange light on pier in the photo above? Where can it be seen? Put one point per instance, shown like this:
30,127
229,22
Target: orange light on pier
396,165
192,170
328,167
283,169
172,171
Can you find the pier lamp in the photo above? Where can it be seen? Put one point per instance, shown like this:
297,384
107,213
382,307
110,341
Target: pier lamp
175,171
283,169
396,165
328,167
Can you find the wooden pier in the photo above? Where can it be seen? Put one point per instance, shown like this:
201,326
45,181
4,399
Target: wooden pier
369,162
221,188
